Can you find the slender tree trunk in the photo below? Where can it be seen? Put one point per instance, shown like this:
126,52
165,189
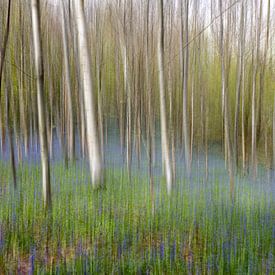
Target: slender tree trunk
185,76
226,108
22,103
262,73
120,103
36,27
239,86
5,43
94,154
149,104
99,94
10,136
128,110
82,119
243,124
163,118
70,124
254,90
2,61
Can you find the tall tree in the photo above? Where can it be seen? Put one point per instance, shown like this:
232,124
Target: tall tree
262,72
68,86
94,154
185,76
10,135
2,60
5,43
39,71
228,143
255,53
163,119
22,100
239,83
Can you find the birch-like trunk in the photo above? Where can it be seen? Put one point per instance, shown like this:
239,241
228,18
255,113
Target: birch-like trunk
40,102
163,120
94,154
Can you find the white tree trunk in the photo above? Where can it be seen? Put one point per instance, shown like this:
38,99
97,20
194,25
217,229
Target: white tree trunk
164,135
94,154
40,103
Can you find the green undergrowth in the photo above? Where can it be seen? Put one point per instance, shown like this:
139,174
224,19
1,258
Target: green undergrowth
131,228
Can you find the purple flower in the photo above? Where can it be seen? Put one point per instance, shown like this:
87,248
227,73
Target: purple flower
161,250
79,249
32,260
173,252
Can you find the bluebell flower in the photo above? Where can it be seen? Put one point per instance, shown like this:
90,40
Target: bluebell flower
161,250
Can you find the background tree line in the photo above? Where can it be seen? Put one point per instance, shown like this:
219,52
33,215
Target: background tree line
201,71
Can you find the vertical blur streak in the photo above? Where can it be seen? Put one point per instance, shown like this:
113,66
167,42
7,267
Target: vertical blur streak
2,59
69,113
39,68
94,155
163,119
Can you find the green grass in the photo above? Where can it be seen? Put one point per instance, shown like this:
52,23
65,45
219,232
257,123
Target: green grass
126,228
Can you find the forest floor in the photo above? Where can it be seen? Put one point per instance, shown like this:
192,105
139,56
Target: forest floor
133,228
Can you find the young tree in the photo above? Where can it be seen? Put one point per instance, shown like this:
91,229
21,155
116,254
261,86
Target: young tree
39,69
94,154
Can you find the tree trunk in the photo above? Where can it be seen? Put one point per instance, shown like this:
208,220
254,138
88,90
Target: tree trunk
94,154
70,122
5,43
228,144
10,136
163,119
185,75
239,86
40,102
